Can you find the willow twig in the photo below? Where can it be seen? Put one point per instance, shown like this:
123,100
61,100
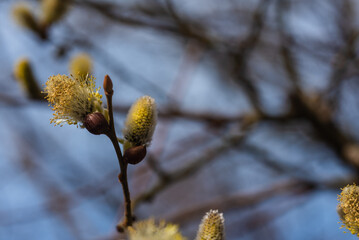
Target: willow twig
123,165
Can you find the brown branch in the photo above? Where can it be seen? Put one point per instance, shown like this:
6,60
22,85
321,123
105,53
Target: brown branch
240,200
168,178
245,200
123,165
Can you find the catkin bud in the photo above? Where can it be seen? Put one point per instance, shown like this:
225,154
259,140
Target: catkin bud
23,74
81,65
135,155
53,10
96,123
23,16
141,122
212,226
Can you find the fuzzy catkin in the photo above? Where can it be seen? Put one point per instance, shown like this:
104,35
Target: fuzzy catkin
348,208
25,77
149,230
81,65
141,121
53,10
24,17
72,98
212,226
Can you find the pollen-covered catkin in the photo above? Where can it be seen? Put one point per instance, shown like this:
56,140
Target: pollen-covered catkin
141,122
72,98
348,208
149,230
212,226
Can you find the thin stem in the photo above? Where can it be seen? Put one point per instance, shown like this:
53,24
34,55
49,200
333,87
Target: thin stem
123,179
110,111
123,166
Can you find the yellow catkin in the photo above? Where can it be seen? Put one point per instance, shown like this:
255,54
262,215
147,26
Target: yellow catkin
212,226
24,17
23,74
53,10
149,230
141,121
348,208
72,98
81,65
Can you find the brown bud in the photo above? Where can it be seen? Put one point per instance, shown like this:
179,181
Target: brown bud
119,177
107,85
120,228
96,123
135,155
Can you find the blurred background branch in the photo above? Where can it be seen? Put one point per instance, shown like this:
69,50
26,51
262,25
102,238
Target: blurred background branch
258,114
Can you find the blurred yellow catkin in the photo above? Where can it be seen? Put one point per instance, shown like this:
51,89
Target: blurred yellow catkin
23,74
81,65
24,17
53,10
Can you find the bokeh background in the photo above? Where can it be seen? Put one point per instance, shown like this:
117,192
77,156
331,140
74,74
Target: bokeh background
258,117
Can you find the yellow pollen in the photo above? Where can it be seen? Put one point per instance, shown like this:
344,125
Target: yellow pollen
348,208
72,98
